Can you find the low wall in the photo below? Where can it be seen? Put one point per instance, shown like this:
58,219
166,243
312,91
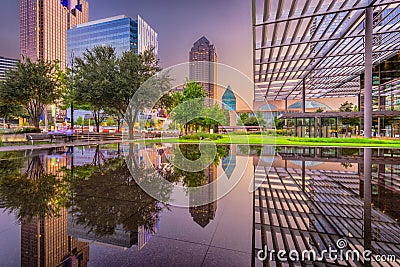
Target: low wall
13,138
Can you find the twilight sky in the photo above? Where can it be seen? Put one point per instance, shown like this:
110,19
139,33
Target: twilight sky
179,23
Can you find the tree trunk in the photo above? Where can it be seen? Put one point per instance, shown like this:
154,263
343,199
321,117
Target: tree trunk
131,120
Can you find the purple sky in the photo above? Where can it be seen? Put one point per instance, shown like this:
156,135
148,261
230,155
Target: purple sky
179,23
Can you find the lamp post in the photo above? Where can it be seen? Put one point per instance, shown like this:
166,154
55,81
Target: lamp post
72,76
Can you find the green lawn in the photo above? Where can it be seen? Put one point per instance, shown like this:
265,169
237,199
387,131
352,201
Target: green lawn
293,141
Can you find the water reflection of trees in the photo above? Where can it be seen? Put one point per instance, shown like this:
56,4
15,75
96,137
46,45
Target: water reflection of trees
192,152
31,192
107,196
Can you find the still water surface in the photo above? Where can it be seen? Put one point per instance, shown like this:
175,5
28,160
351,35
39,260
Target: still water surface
80,206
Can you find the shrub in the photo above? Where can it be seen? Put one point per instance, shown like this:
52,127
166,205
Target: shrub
28,130
202,136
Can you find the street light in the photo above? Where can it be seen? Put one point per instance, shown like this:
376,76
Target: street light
72,76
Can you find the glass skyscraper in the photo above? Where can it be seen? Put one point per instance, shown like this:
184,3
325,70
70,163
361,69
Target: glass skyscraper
120,32
5,65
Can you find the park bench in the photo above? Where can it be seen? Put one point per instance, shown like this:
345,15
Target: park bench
45,137
38,137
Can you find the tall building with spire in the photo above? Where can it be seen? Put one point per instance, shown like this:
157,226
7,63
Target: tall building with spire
203,51
44,25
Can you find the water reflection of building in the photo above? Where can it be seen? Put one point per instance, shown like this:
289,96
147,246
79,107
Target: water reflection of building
45,242
229,162
311,207
152,156
120,238
203,214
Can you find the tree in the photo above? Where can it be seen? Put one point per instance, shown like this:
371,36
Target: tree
95,78
243,117
134,71
346,107
110,121
190,105
33,85
9,110
349,107
247,120
252,121
279,123
214,115
79,121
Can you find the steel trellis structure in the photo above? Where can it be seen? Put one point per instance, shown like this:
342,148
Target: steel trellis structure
319,44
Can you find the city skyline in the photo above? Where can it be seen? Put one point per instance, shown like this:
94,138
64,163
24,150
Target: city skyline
177,26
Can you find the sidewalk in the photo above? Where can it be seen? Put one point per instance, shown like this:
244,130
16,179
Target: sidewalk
49,146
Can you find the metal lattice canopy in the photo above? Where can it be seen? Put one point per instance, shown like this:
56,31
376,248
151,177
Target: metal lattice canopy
320,43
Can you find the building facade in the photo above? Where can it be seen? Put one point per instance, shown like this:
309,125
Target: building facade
203,51
229,100
5,65
44,25
120,32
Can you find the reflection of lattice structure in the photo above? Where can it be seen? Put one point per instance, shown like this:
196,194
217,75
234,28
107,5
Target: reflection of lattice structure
312,209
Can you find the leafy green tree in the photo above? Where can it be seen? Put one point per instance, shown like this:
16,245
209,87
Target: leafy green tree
346,107
261,120
135,71
243,117
247,120
33,85
349,107
110,121
252,121
191,105
9,110
169,101
79,121
279,123
95,79
215,115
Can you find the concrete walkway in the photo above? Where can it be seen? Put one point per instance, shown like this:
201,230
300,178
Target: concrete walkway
49,146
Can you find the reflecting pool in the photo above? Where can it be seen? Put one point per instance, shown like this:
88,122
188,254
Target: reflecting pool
81,206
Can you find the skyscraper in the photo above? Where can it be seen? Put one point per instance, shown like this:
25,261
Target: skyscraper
202,51
120,32
44,25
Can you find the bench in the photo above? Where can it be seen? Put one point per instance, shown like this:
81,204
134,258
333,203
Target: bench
46,137
38,137
60,136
